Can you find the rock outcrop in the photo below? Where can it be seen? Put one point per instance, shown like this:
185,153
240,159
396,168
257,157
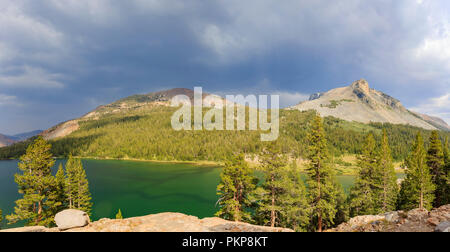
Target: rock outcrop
437,220
61,130
163,222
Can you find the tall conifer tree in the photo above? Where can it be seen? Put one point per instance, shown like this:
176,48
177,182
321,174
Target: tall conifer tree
417,190
71,181
84,198
237,182
435,161
322,184
77,186
38,186
446,151
295,209
270,193
362,197
60,188
446,172
386,195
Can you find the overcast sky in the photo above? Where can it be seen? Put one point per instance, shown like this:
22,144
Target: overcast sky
61,59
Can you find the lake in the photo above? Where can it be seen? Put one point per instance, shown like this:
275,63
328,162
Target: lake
139,188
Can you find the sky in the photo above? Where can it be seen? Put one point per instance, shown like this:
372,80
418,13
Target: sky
62,58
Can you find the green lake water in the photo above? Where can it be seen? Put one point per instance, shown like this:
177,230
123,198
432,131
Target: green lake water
139,188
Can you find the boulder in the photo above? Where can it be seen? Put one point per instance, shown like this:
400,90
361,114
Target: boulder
364,219
71,218
443,227
391,216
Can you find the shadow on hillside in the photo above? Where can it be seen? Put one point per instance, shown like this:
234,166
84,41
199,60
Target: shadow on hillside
72,145
93,124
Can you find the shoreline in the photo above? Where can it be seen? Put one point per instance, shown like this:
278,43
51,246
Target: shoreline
198,163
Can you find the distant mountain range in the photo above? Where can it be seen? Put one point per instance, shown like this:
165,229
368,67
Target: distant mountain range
139,127
8,140
358,102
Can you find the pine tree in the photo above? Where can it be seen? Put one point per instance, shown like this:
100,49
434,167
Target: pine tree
446,172
386,195
77,186
342,206
435,161
446,151
71,181
119,215
295,209
237,182
417,190
269,195
83,201
38,186
362,198
61,185
322,184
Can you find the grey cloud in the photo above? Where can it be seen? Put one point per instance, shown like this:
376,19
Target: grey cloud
92,51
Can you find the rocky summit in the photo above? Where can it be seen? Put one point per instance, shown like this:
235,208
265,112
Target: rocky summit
436,220
358,102
162,222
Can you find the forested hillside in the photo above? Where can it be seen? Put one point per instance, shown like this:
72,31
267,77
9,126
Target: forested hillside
147,134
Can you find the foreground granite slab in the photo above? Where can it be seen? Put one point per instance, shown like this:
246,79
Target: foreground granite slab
162,222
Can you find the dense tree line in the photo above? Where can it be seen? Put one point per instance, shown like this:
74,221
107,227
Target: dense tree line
148,135
44,195
283,199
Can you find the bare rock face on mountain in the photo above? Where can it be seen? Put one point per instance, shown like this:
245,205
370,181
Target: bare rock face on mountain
61,130
358,102
435,121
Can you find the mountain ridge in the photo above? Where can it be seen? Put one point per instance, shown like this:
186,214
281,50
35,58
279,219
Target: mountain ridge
133,102
6,140
369,105
358,102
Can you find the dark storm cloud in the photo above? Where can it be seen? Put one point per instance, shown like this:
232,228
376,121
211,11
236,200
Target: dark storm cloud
60,59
